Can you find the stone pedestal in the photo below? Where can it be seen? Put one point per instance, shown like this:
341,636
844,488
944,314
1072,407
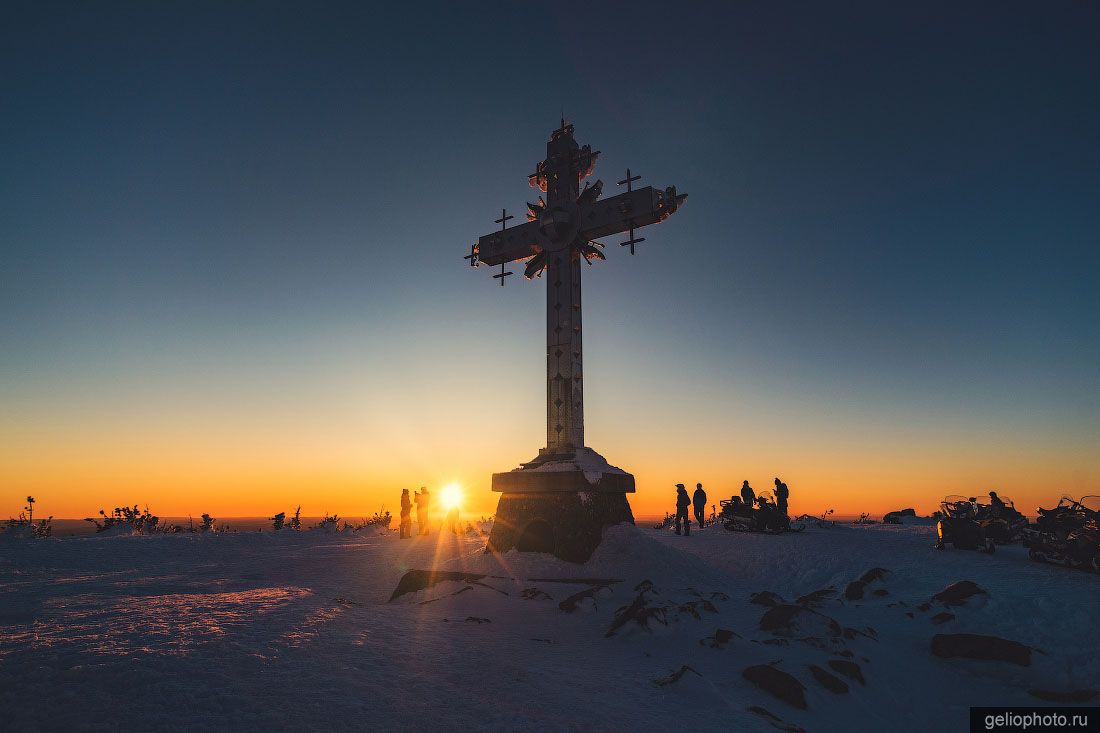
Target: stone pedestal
560,503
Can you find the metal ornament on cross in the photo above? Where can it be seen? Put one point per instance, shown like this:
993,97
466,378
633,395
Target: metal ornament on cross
629,180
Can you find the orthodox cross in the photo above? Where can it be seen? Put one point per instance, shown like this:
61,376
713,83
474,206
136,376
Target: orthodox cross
561,231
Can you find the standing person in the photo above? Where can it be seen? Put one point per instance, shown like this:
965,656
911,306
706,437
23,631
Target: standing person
699,503
683,501
425,508
406,510
420,513
452,520
748,496
781,494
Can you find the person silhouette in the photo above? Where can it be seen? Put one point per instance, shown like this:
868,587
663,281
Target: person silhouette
683,501
781,494
422,514
699,503
406,510
747,494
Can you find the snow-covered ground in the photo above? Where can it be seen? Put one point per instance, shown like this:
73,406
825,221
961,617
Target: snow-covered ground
294,630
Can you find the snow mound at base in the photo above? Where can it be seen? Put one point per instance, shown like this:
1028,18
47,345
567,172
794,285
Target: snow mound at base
626,553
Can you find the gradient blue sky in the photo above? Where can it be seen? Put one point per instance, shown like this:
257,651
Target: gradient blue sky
236,230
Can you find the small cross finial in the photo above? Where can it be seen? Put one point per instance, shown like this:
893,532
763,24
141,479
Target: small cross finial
629,180
502,275
504,217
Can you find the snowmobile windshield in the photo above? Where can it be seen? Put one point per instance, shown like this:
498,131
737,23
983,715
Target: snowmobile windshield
1092,503
955,498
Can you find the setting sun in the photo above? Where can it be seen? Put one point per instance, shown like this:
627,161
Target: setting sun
451,496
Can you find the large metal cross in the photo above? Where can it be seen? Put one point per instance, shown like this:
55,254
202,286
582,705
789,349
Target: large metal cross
560,231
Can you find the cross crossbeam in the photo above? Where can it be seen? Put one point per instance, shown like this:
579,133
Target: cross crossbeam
631,209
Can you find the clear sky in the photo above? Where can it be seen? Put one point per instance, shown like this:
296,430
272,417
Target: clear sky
232,238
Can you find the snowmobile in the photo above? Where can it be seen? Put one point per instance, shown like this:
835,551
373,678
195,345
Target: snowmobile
1069,515
1068,535
736,516
960,526
1002,525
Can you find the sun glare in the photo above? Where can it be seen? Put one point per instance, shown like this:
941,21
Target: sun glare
451,496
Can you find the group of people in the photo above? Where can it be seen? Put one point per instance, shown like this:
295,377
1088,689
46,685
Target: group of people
423,501
747,501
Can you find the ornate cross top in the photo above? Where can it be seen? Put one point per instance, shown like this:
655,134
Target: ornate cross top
561,231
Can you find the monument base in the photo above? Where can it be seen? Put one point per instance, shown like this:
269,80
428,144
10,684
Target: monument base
560,504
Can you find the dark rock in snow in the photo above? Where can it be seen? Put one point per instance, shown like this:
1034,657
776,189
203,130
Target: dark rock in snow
766,598
415,580
895,516
719,640
847,668
1072,696
798,621
828,680
942,617
817,598
775,720
874,574
573,602
675,676
534,594
880,592
979,646
856,588
854,591
957,594
778,683
723,635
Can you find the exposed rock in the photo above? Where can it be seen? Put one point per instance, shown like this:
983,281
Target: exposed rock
415,580
942,617
828,680
867,632
787,620
675,676
874,574
534,594
775,720
856,588
881,592
854,591
719,640
847,668
1072,696
572,603
895,516
766,598
957,594
778,683
817,598
979,646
